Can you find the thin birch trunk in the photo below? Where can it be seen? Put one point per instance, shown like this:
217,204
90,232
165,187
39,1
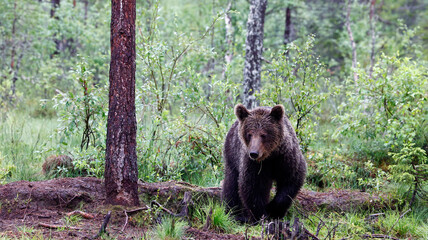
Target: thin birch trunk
351,39
253,52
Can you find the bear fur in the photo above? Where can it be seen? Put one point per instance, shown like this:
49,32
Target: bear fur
260,148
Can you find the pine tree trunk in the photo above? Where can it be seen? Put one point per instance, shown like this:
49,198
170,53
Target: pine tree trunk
254,51
121,171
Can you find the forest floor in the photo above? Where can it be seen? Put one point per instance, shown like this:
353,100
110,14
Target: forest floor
73,208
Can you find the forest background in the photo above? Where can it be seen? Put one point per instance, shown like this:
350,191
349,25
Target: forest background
352,76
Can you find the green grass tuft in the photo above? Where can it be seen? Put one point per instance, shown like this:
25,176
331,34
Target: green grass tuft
171,229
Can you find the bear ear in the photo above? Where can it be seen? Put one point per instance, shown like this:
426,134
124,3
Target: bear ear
241,112
277,112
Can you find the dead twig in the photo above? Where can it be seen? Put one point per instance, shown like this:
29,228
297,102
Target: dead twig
154,202
311,234
319,227
103,226
263,227
81,213
374,216
333,230
379,236
126,222
401,216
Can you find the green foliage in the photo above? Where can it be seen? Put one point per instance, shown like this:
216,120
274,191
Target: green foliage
84,111
188,113
216,214
297,79
331,170
411,168
376,182
186,93
386,110
22,137
6,171
398,225
82,115
357,224
71,220
171,229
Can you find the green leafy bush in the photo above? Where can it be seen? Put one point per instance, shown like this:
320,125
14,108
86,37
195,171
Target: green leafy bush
297,79
411,168
182,110
330,169
81,129
387,110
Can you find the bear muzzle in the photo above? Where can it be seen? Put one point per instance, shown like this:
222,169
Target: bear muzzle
255,151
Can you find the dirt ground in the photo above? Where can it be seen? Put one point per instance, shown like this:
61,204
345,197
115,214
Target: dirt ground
42,209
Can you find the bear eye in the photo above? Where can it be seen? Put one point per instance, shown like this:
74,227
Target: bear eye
249,135
263,136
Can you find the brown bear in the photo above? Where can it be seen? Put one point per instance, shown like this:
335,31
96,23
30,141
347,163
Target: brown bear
261,147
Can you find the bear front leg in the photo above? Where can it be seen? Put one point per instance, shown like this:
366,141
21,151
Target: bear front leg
230,194
282,201
254,189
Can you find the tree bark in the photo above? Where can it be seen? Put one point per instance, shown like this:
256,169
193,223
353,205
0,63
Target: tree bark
287,32
373,33
228,38
85,4
121,171
55,5
13,65
254,51
351,39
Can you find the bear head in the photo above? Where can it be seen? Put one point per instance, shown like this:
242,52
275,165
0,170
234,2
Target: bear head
260,130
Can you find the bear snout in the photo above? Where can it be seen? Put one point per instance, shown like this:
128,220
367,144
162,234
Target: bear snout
254,155
255,148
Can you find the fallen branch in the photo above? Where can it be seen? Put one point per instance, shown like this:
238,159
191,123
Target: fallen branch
137,210
53,226
81,213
